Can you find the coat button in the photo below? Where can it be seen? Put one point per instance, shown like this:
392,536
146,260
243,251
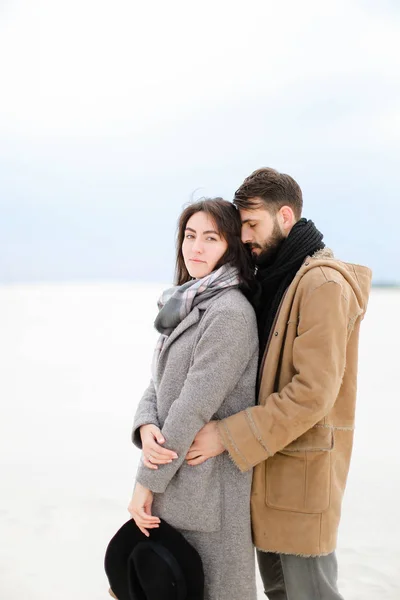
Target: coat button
276,333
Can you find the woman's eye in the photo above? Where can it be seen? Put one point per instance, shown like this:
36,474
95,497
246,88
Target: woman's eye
189,236
252,226
212,239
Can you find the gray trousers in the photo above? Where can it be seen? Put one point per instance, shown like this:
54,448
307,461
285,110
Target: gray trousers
290,577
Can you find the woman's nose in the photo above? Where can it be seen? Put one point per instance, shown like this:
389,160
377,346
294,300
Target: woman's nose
197,246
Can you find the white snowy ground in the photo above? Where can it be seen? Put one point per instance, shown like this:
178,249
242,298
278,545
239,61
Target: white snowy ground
74,360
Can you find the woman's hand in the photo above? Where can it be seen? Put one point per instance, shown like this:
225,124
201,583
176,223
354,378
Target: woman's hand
153,453
140,509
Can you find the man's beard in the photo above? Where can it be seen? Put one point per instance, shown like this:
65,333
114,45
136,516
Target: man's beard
270,249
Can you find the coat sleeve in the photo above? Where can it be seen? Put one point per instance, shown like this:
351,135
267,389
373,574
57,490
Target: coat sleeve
220,359
319,359
146,413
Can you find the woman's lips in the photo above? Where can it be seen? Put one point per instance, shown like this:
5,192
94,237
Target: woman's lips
196,260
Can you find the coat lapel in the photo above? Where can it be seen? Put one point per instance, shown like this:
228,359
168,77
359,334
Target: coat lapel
270,362
187,322
193,317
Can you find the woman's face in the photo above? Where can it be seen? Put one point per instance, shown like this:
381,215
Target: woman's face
202,246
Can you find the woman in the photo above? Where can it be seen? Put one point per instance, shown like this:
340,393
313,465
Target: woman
204,368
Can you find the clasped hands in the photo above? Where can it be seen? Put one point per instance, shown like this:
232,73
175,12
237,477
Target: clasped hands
206,444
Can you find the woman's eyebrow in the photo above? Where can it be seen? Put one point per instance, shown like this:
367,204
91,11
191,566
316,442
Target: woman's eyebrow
204,232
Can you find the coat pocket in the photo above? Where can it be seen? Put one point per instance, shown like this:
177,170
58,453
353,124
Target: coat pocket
298,478
192,500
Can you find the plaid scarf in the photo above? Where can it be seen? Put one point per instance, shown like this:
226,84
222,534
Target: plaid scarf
176,303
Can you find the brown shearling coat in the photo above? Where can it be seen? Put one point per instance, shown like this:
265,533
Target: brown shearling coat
299,437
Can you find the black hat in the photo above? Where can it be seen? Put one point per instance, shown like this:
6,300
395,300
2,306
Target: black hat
163,566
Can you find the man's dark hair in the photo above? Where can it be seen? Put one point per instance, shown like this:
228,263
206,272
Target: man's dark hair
273,188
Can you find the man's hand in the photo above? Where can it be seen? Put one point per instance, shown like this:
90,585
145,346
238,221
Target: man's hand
140,509
206,444
153,453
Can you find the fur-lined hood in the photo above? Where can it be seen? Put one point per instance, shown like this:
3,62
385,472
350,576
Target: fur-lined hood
358,276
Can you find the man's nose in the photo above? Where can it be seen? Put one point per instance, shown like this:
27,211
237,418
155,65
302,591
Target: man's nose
246,236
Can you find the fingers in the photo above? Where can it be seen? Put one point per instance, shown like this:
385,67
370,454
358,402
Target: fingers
156,432
143,530
140,523
192,453
151,447
144,521
197,461
157,455
148,464
139,512
144,527
151,458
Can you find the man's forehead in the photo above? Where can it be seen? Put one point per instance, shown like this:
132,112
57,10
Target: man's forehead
255,214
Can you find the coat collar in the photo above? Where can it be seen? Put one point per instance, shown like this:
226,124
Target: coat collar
323,254
192,318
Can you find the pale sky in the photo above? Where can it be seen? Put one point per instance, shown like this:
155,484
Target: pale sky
113,115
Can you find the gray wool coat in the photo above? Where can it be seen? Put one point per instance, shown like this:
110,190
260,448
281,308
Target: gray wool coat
206,370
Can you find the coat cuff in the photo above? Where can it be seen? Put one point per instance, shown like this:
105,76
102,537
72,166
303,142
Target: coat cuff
243,440
151,479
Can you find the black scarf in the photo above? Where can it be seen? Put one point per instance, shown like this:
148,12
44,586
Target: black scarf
303,240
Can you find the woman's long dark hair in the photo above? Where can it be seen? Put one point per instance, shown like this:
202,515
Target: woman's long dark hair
227,220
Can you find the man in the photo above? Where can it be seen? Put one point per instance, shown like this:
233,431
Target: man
299,435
